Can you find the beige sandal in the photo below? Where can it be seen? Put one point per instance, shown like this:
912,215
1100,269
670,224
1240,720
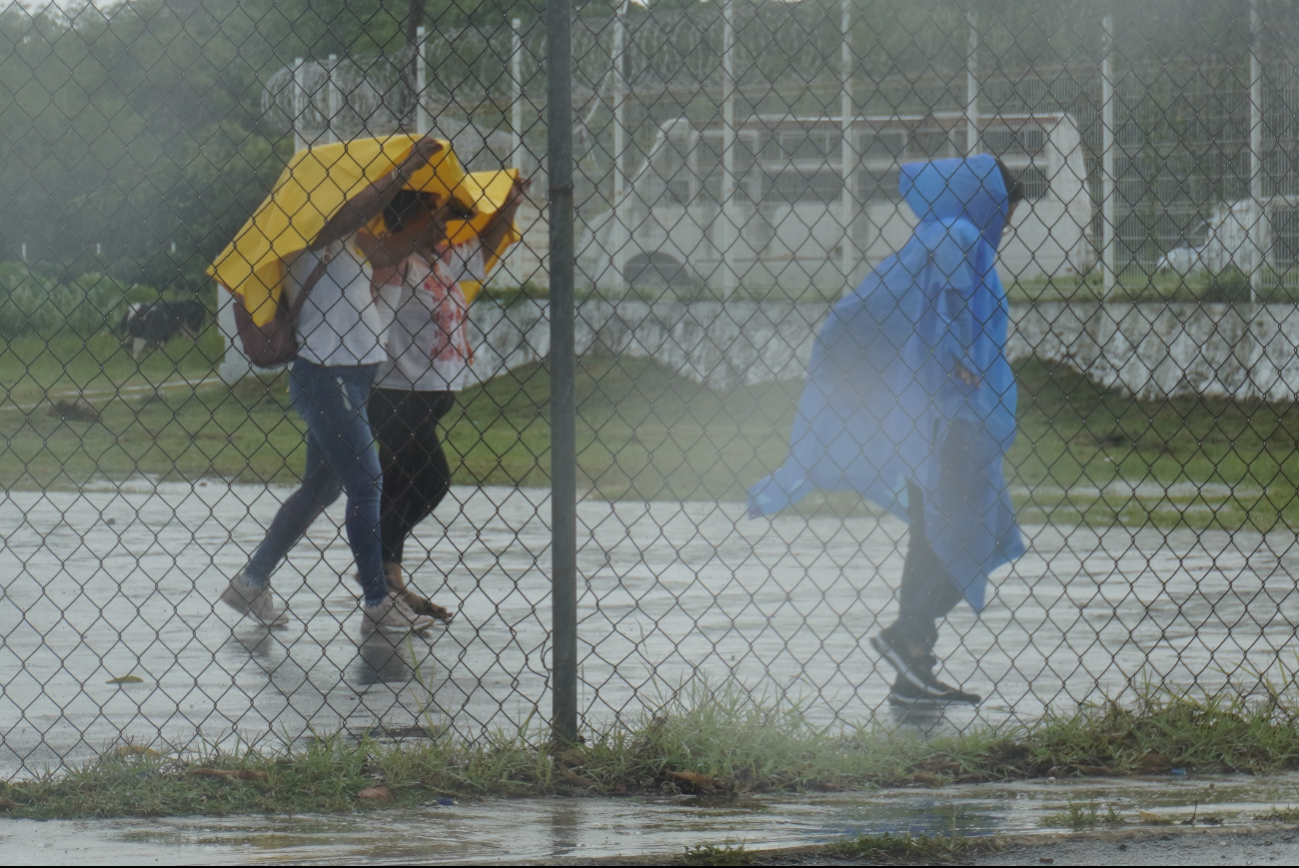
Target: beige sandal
419,605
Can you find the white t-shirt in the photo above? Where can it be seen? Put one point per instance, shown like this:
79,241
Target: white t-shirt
428,346
343,321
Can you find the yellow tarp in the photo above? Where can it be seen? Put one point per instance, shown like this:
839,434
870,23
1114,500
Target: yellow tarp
311,189
493,189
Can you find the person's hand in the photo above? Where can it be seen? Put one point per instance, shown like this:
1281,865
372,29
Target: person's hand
517,193
423,151
966,376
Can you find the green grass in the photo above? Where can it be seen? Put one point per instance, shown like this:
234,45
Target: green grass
709,741
1078,816
1083,454
717,854
1204,462
1289,815
911,849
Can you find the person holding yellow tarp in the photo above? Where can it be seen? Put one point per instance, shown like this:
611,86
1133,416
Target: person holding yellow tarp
429,353
311,235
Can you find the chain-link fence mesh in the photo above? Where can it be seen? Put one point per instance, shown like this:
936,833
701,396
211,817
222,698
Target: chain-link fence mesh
738,169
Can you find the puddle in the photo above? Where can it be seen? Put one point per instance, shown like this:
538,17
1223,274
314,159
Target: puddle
508,831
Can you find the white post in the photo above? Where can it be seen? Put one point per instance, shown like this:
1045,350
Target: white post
1107,160
421,81
24,254
618,238
299,105
1257,244
331,99
847,150
972,79
516,93
727,241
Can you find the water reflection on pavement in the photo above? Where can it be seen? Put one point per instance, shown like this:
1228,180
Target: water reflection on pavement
122,580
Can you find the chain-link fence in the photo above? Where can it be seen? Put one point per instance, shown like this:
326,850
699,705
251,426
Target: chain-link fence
592,419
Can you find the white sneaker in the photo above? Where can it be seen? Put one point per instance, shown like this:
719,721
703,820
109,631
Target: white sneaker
393,615
254,602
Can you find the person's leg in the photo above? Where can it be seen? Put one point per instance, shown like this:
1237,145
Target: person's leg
411,451
249,590
320,487
926,594
348,444
385,418
334,406
416,476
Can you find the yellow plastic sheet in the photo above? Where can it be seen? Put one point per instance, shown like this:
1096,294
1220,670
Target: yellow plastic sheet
492,188
309,191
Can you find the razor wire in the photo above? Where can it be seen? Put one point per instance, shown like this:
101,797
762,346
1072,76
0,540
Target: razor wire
737,170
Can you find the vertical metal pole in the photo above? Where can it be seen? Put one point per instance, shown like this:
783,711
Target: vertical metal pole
516,93
972,79
1107,159
1257,245
563,371
619,239
847,150
727,192
510,265
299,105
331,99
421,81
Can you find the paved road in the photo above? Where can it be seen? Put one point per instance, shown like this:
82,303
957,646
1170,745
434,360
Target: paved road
117,580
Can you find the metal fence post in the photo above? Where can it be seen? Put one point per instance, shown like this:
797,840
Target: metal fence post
1257,247
1109,234
563,371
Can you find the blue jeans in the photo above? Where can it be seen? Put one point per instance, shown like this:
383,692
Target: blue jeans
341,456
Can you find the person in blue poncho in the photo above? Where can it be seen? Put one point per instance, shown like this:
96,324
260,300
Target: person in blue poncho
910,401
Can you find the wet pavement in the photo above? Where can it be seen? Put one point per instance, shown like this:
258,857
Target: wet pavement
122,580
506,832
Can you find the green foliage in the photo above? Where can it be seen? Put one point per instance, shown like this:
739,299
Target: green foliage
1230,286
717,854
34,303
706,739
1078,816
1288,815
912,849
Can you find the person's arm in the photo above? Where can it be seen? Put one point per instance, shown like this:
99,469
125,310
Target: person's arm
386,252
955,272
366,205
503,219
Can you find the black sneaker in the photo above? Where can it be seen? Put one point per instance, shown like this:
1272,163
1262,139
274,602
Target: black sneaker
893,652
918,689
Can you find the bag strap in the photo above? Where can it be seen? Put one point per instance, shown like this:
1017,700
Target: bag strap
309,284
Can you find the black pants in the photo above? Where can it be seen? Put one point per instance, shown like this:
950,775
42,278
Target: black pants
927,592
416,475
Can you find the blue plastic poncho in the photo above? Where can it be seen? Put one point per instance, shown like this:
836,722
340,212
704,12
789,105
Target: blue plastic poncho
885,391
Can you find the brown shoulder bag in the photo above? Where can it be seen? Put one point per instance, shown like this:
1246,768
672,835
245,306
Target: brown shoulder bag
276,343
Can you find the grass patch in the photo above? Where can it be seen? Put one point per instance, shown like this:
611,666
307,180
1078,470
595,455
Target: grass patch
709,742
912,849
1080,816
717,854
1288,815
1083,454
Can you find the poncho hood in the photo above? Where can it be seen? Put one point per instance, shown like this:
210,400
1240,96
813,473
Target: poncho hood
969,188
